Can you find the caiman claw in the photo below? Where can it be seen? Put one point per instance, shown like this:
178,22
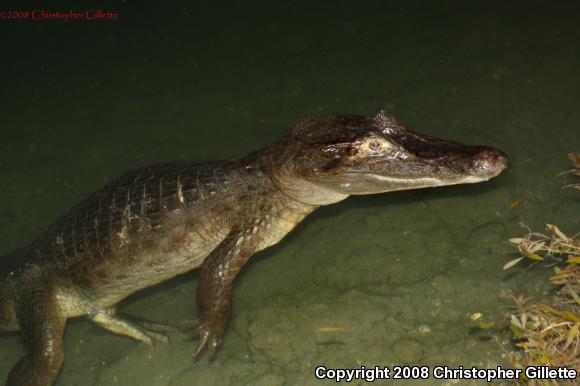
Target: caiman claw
208,337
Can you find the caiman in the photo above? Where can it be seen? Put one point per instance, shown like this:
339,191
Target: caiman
157,222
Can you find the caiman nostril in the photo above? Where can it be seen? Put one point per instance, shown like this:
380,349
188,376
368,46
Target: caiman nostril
489,162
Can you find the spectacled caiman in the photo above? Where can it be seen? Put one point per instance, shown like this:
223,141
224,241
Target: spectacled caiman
157,222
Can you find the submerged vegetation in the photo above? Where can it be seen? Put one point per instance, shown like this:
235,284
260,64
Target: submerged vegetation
549,334
575,159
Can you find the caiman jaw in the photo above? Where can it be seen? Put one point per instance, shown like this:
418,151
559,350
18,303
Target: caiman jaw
423,182
487,164
483,164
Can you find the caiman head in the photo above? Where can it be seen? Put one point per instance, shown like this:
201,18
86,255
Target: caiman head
331,157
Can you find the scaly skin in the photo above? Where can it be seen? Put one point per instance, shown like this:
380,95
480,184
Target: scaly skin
160,221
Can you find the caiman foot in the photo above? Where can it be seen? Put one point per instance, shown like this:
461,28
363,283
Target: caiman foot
134,327
208,335
148,324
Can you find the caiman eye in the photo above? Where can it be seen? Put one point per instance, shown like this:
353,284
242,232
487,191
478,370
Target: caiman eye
375,145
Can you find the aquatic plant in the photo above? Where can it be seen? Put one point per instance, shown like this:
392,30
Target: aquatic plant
538,247
549,334
575,159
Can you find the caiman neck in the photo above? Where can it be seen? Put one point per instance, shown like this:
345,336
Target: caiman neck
276,161
304,191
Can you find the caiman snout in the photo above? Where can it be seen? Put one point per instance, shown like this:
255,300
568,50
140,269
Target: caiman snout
488,163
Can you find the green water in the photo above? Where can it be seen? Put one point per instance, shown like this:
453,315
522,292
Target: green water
398,273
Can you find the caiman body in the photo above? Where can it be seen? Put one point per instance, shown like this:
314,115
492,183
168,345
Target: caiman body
157,222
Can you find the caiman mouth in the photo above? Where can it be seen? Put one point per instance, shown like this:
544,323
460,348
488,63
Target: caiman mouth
406,183
485,164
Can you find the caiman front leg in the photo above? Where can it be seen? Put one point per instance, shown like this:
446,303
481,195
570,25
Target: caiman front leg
215,284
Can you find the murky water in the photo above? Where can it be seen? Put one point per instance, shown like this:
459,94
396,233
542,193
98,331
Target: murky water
397,274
